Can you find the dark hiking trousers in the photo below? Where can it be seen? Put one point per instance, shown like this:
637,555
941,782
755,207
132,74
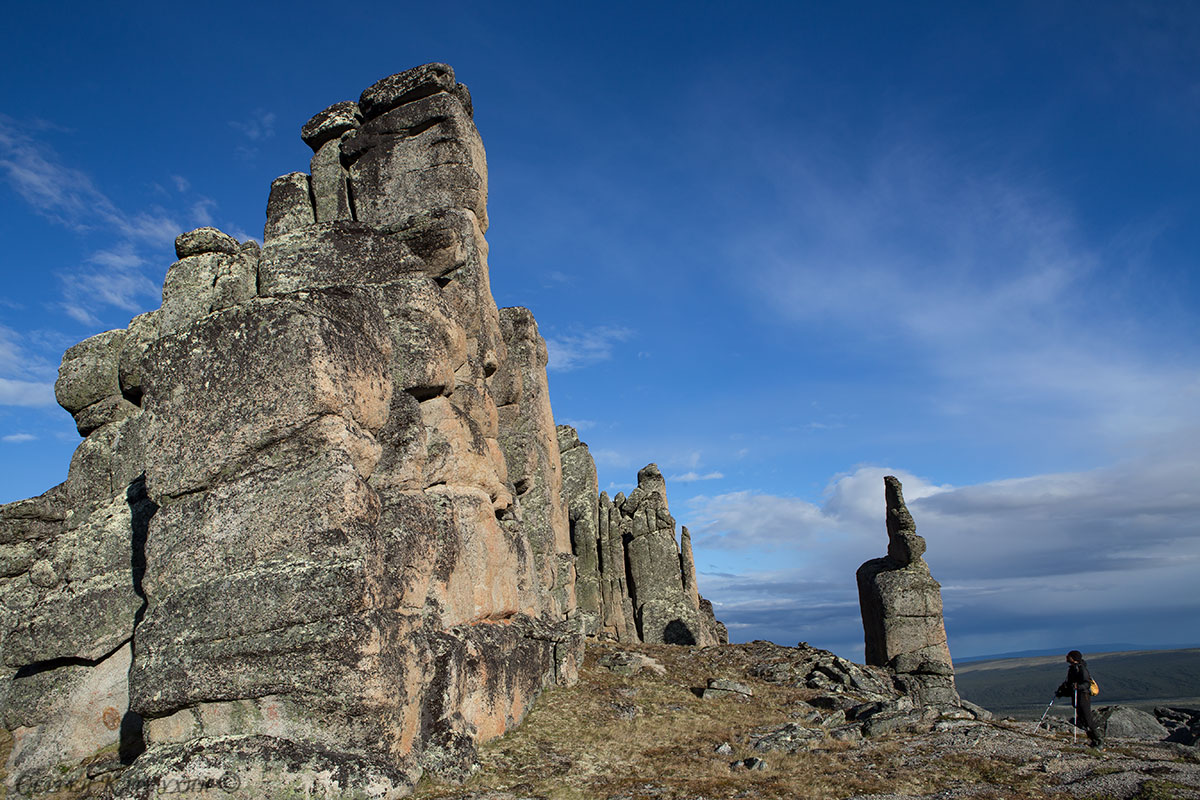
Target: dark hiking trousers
1084,717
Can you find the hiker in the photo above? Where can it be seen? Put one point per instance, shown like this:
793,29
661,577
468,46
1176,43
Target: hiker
1078,686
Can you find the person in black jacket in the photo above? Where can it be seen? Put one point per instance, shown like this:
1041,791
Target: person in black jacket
1078,686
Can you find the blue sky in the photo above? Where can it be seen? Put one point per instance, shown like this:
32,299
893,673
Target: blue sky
781,251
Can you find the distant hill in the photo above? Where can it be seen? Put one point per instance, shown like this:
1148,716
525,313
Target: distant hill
1110,647
1022,687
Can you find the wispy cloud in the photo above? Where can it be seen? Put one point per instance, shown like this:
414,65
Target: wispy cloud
201,213
68,195
25,379
115,274
574,350
112,277
257,126
63,194
978,278
17,438
689,477
25,393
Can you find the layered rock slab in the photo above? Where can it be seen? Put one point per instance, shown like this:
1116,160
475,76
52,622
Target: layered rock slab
901,607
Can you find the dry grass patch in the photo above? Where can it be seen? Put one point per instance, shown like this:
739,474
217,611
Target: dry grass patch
651,736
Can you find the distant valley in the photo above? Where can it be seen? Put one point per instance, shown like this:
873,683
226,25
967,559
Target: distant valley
1022,687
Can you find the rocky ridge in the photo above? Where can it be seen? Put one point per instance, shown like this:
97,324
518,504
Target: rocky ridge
315,539
634,581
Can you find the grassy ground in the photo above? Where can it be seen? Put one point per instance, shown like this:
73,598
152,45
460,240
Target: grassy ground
652,736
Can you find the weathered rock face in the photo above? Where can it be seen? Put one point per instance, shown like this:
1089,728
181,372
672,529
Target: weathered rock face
634,582
901,608
315,537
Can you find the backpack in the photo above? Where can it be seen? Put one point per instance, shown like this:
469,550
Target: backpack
1094,688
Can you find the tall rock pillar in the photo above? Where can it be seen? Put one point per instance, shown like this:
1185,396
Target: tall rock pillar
580,494
901,607
314,539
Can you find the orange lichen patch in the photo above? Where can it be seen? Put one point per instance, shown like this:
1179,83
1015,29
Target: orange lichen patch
111,718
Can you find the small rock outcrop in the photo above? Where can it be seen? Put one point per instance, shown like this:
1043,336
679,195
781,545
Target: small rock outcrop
1126,722
314,539
634,581
901,607
1182,724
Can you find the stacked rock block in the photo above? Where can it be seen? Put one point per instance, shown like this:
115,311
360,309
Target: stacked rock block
314,537
901,607
634,581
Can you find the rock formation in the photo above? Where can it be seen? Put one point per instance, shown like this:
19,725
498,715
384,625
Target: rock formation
901,608
314,536
634,582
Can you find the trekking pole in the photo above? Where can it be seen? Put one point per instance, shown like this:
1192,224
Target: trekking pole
1044,713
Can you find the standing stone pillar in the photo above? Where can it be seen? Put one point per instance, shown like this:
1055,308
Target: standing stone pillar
901,607
579,487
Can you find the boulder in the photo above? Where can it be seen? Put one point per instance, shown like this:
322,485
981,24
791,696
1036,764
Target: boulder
723,687
205,240
1124,722
88,372
289,205
331,123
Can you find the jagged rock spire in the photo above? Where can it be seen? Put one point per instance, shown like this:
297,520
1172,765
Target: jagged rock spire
901,607
646,581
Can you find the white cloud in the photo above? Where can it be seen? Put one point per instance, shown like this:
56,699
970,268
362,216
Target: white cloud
201,214
17,367
853,507
25,393
155,229
575,350
10,350
689,477
112,277
17,438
